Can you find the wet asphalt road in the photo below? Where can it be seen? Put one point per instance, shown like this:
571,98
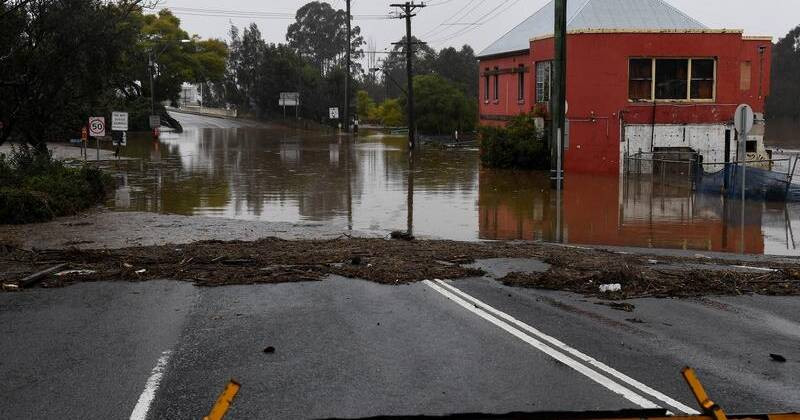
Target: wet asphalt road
349,348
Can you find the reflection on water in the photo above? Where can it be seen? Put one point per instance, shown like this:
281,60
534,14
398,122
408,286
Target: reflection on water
370,183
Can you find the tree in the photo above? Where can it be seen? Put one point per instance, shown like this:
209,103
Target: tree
460,67
62,61
395,74
178,57
365,106
319,35
258,72
783,100
390,113
441,107
58,61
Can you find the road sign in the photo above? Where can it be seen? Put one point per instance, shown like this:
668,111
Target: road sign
290,95
97,126
288,102
120,138
119,121
743,120
84,134
333,113
155,121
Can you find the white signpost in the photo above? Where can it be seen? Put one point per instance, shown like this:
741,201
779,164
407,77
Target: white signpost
333,113
97,129
119,121
97,126
743,120
290,99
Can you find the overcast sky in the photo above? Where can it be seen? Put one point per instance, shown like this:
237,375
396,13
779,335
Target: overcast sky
457,22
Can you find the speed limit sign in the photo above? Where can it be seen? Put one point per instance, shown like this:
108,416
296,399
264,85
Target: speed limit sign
97,126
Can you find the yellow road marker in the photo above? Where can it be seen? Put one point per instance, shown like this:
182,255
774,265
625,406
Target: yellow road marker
224,401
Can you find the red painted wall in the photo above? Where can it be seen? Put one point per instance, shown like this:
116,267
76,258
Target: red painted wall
507,104
597,87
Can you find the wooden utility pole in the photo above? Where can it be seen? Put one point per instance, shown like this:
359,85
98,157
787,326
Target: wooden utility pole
559,92
408,13
347,75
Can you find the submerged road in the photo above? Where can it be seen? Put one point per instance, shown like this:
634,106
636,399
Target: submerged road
203,121
350,348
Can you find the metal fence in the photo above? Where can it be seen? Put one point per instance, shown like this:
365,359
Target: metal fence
676,168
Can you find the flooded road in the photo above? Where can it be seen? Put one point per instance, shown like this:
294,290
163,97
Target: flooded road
218,168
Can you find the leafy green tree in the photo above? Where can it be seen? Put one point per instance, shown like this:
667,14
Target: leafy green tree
58,61
319,35
258,72
460,67
365,106
783,100
441,108
392,114
61,61
179,58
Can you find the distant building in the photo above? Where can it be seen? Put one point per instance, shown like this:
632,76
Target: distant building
641,76
190,95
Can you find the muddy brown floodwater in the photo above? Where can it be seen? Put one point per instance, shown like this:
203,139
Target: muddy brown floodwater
368,184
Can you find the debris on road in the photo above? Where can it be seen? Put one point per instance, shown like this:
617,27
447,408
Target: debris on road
269,350
272,260
605,288
74,273
405,236
10,287
37,277
777,358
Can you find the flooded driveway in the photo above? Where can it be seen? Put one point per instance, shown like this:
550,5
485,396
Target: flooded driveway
220,168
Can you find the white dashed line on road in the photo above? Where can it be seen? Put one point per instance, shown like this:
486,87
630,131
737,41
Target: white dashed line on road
150,388
557,349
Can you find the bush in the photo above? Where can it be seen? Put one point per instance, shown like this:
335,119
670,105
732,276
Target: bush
38,188
518,145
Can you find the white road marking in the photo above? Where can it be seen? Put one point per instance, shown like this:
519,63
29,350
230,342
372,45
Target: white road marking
150,388
581,356
470,303
586,371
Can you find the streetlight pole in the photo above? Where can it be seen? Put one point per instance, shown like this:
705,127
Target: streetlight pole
151,62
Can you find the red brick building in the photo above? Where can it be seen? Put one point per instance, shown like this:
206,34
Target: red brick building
641,77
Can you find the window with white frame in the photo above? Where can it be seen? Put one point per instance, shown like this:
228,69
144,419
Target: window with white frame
671,79
543,80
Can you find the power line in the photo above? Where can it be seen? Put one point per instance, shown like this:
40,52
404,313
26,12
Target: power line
230,13
453,18
481,21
